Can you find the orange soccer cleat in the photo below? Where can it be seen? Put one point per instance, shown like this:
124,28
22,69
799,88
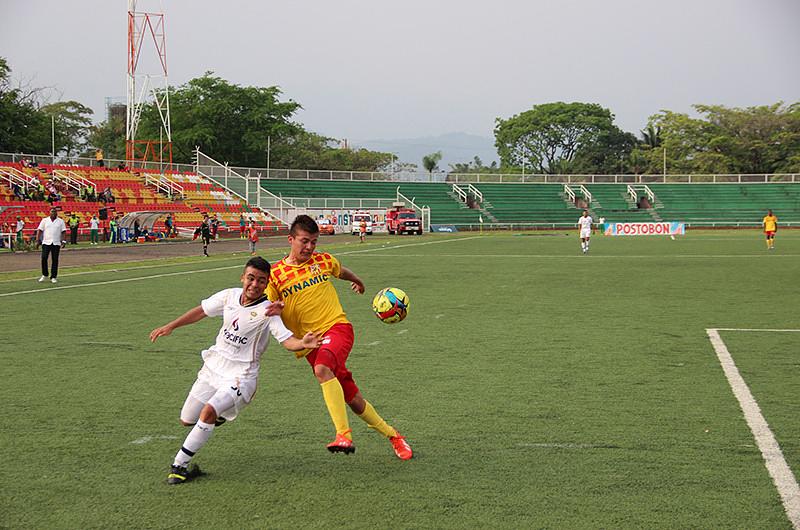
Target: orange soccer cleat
401,447
342,444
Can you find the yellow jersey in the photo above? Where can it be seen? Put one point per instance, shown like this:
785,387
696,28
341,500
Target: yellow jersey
770,223
312,303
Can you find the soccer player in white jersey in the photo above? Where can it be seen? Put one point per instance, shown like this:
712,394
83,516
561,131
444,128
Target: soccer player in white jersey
227,381
585,226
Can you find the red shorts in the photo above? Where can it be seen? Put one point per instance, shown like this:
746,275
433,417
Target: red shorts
336,345
770,233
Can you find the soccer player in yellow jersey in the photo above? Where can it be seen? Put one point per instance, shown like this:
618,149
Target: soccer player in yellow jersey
302,283
770,223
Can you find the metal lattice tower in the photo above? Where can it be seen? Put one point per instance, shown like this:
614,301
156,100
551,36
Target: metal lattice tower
143,85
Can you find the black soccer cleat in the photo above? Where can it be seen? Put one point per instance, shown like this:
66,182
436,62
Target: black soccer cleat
179,474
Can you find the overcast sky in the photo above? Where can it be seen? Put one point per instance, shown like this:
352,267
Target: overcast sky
403,69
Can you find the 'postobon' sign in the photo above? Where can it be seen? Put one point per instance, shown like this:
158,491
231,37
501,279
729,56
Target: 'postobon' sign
664,228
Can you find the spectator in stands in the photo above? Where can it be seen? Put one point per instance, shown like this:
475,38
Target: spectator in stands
52,232
17,189
107,195
74,223
112,224
19,228
214,227
121,167
90,195
94,225
98,156
252,236
38,193
242,226
25,162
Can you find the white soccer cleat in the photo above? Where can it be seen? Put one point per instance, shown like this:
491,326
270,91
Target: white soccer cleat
53,281
43,278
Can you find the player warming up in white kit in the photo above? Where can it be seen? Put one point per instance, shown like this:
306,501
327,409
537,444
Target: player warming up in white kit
227,381
585,226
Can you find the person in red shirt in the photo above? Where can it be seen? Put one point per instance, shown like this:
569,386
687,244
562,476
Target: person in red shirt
252,236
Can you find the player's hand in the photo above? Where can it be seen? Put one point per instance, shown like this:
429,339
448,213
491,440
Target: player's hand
163,331
357,286
274,309
312,340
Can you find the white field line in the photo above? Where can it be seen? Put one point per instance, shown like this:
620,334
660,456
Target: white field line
778,469
239,265
589,257
123,280
121,268
760,329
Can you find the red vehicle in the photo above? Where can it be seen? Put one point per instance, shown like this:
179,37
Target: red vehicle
400,219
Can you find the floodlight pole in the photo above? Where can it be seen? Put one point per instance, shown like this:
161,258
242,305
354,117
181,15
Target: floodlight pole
139,26
53,136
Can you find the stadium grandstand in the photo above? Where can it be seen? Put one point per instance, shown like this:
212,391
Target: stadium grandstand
554,205
465,204
30,192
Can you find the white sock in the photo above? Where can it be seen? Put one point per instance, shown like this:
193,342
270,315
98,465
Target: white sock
196,439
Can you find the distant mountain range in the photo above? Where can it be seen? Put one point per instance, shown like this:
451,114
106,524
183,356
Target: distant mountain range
456,147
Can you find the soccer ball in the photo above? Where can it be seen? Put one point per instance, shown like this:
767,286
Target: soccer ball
390,305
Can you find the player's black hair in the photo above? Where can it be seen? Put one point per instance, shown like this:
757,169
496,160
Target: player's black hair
258,263
305,223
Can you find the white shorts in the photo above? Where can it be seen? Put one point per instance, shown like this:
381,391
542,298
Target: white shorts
585,234
229,394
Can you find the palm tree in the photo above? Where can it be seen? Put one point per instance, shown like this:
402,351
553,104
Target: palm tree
430,162
651,136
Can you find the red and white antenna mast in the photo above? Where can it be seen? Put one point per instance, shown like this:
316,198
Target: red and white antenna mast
144,28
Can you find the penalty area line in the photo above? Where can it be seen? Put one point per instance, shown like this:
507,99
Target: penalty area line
778,469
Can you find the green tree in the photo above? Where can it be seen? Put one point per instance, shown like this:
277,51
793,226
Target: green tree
72,126
763,139
609,153
23,128
431,162
230,122
548,137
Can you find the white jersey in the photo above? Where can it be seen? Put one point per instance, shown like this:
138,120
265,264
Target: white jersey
243,336
585,224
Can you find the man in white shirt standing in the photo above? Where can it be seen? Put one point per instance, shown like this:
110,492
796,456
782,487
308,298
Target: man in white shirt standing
94,226
20,239
585,226
227,381
52,232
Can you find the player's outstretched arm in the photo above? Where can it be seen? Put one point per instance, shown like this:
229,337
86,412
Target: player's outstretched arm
309,341
355,282
190,317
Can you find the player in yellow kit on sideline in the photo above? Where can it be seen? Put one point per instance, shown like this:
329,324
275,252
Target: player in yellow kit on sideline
770,223
302,283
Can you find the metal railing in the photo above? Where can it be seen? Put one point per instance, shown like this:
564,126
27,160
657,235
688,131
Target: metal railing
461,193
74,181
475,192
164,184
586,193
407,176
569,193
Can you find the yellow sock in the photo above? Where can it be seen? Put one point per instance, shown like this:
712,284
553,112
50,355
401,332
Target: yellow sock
334,399
768,245
374,421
